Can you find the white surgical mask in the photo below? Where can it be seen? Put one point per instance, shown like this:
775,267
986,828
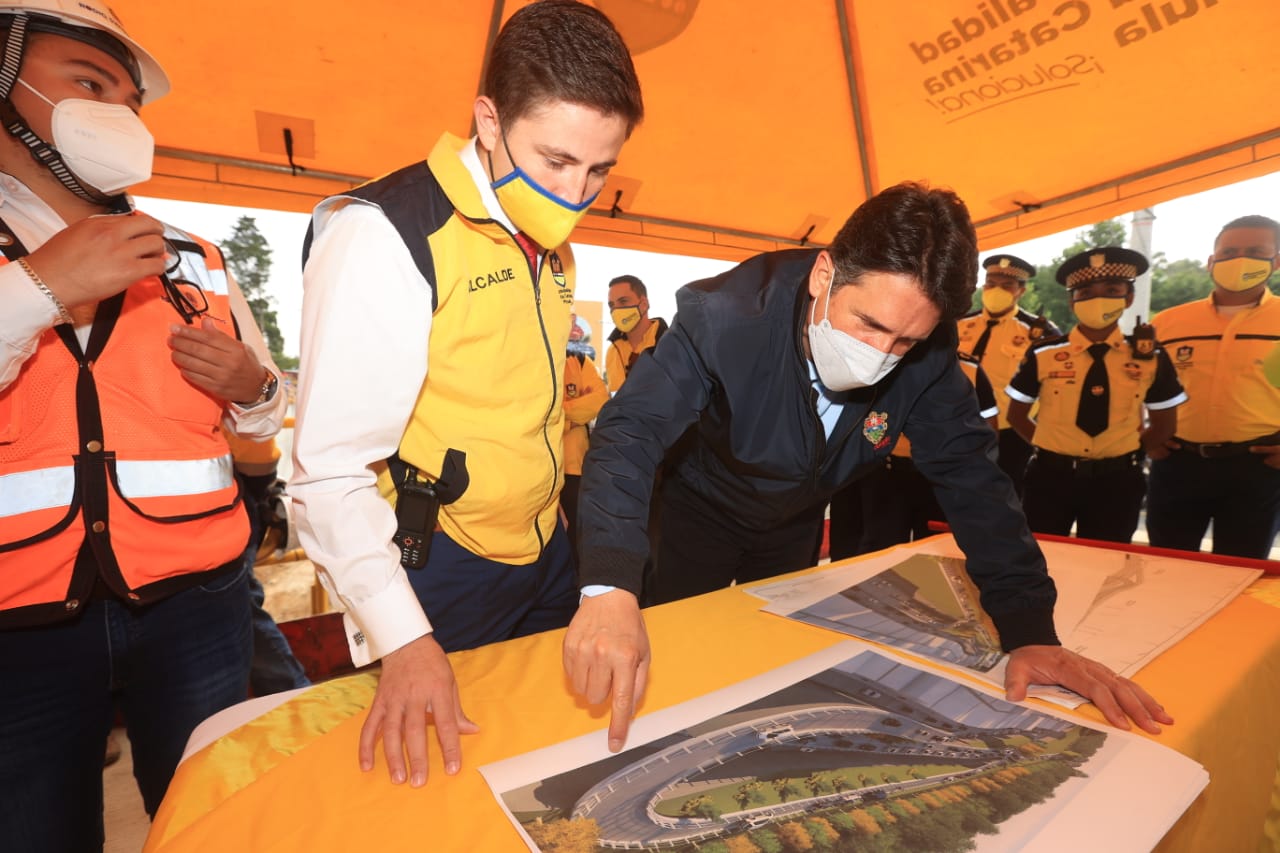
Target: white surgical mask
104,145
844,362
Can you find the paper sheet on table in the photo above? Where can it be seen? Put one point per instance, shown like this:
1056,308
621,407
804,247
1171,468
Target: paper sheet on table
1119,608
858,731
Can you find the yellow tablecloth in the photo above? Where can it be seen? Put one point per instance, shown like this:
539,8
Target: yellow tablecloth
289,781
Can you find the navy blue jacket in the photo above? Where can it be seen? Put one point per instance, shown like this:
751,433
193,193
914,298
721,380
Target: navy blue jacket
733,364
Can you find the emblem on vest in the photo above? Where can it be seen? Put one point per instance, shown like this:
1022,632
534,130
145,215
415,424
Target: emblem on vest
570,390
1184,353
480,282
558,276
875,429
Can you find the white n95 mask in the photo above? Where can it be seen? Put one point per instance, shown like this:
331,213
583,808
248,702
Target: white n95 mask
104,145
844,362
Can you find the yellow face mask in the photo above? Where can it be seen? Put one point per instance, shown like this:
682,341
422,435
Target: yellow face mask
542,215
997,300
1238,274
625,319
1099,312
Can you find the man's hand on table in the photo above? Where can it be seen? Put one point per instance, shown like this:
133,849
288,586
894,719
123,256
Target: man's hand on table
416,680
606,653
1119,699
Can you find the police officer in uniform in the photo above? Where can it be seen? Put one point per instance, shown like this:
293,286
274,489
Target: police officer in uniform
1092,385
997,336
1224,464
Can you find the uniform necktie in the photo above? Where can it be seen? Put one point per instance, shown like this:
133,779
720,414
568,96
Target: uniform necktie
981,346
1095,394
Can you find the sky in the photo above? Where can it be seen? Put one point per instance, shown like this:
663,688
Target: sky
1184,228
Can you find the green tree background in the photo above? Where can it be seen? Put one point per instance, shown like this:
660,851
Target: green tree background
248,257
1172,282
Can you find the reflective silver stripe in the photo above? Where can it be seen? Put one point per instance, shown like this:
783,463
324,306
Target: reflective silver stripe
30,491
217,282
152,479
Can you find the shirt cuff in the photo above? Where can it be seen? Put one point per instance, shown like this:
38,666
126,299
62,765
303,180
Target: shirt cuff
28,312
386,622
591,590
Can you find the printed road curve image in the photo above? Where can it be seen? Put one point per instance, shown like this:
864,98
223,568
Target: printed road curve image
868,755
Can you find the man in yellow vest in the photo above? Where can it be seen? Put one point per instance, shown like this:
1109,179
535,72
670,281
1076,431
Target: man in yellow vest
634,331
435,323
1224,464
121,527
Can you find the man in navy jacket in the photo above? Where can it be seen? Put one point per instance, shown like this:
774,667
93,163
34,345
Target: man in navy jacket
796,371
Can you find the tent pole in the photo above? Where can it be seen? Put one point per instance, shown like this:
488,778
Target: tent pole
855,102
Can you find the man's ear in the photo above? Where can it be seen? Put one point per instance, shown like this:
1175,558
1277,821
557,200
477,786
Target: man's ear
486,116
821,274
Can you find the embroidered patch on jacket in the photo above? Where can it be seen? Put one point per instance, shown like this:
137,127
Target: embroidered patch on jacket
875,429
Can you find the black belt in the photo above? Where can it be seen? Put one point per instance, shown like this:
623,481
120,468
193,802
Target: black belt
1224,449
1085,466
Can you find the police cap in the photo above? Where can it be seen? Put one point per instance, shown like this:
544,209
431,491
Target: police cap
1009,265
1108,263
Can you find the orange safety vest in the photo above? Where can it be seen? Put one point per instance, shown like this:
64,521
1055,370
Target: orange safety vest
112,450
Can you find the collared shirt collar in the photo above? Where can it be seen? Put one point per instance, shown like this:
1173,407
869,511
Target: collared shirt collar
1077,338
470,156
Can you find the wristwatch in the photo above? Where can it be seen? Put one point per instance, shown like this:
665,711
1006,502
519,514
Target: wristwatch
268,389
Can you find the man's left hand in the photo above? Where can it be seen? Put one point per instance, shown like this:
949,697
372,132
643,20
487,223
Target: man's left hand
1270,451
215,362
1119,699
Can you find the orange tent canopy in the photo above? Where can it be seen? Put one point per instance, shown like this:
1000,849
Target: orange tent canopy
767,122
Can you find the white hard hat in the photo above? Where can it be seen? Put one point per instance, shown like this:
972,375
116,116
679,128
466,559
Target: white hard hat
71,18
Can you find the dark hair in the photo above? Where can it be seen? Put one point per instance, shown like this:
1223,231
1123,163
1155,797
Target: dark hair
636,284
562,50
917,231
1252,221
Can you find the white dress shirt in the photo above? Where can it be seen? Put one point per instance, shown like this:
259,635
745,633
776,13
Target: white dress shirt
366,321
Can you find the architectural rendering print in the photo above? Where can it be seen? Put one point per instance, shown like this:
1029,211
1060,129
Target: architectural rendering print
926,605
869,754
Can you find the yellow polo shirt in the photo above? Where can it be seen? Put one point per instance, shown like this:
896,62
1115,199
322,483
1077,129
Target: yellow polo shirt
1012,333
1054,372
1220,361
